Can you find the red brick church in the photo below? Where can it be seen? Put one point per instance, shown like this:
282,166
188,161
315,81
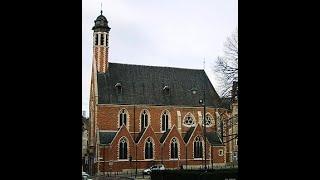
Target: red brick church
145,115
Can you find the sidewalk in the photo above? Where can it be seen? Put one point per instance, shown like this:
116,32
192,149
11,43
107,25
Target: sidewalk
123,177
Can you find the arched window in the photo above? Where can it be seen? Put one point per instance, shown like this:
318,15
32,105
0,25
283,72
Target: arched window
197,147
144,118
101,39
188,120
123,149
174,148
209,120
165,121
106,39
123,117
96,40
148,149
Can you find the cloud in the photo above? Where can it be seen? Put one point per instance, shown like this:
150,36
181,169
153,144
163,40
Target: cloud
176,33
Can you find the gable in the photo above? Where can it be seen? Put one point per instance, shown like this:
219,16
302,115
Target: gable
164,136
140,135
188,134
173,133
148,133
197,131
123,131
154,86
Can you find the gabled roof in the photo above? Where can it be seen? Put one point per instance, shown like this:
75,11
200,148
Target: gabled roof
106,137
140,135
146,85
188,134
226,102
163,137
214,138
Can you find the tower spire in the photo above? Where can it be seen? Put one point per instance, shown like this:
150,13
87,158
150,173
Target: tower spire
101,8
101,48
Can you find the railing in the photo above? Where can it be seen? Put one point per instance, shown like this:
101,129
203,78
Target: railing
123,175
140,175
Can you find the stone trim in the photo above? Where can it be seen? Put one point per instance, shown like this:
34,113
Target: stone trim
153,148
128,118
169,120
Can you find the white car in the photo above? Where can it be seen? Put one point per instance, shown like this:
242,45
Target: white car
154,167
85,176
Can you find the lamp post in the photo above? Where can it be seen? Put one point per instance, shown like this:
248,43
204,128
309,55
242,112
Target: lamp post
186,157
203,103
104,159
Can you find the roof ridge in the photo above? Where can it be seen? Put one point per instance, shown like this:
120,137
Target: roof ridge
143,65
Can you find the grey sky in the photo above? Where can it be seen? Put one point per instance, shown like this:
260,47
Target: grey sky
174,33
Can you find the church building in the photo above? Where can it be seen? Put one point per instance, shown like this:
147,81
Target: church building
145,115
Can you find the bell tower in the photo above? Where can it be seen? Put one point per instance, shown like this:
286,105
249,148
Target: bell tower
100,43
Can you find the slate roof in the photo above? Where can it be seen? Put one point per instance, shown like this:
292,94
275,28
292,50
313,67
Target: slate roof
163,137
145,85
226,103
140,135
188,134
213,138
106,137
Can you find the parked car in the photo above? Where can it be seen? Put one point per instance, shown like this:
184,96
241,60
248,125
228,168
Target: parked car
86,176
154,168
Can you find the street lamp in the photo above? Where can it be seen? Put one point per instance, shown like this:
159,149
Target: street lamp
104,159
186,157
203,103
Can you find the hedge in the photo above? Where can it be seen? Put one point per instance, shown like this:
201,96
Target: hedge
215,174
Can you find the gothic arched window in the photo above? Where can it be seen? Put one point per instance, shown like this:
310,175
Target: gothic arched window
197,147
144,118
148,149
123,117
174,148
123,149
209,120
165,121
188,120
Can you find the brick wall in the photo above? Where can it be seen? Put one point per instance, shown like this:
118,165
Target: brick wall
108,119
108,116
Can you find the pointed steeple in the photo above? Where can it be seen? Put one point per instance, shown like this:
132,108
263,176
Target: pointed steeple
101,9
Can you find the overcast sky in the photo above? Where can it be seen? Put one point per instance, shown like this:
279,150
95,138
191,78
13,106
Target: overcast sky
174,33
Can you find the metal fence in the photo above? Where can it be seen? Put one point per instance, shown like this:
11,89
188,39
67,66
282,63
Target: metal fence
123,175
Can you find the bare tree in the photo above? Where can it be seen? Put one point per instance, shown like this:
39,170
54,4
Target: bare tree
226,67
